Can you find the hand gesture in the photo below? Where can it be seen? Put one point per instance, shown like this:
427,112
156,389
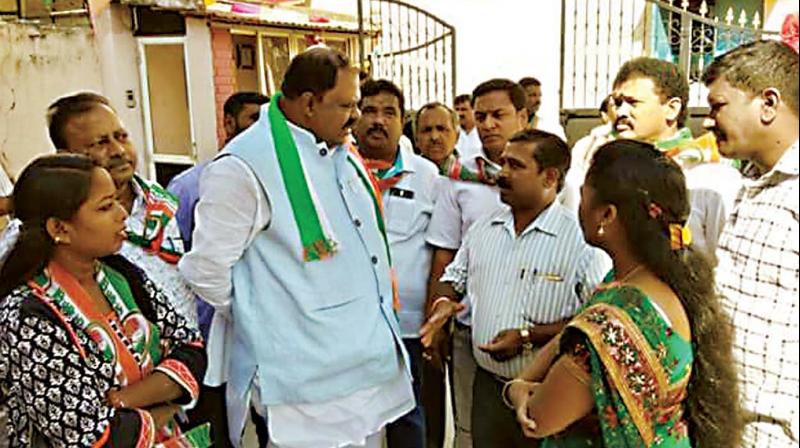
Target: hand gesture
442,311
506,345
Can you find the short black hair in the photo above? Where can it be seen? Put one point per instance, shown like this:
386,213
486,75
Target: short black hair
549,151
515,91
376,87
463,98
434,105
314,70
757,66
66,108
235,103
668,78
529,81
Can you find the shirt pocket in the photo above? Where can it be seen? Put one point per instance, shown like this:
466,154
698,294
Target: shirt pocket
405,217
550,297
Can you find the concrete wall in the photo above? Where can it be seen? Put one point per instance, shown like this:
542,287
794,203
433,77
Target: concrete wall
119,52
120,72
201,87
37,65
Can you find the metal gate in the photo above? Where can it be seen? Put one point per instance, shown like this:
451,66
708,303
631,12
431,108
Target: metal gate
600,35
409,46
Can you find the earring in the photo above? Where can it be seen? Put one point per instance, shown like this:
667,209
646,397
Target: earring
601,231
57,240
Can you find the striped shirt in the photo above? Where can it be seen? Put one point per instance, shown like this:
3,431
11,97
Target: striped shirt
759,279
541,276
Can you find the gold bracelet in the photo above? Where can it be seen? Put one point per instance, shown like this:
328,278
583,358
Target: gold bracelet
506,388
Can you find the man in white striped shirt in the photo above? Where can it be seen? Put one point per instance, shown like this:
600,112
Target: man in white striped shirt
526,269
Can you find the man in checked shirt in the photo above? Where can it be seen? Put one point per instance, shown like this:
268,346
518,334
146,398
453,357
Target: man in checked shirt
753,94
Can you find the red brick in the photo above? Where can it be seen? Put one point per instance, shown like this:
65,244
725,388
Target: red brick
224,71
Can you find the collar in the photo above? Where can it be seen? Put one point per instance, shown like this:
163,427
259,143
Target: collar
471,160
306,138
788,164
138,195
677,141
546,222
790,161
403,159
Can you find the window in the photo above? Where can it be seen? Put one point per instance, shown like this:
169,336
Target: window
274,50
276,59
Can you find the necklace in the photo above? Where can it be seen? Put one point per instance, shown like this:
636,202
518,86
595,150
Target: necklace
629,274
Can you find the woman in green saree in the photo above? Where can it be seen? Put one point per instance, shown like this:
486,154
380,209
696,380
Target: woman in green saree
647,361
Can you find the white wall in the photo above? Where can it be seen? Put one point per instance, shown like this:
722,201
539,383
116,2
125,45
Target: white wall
120,72
778,12
504,39
500,38
201,88
36,67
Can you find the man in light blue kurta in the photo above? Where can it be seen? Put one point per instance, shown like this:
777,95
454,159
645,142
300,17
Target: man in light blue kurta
313,331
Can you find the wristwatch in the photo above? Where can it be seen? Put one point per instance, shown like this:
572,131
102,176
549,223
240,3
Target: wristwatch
525,334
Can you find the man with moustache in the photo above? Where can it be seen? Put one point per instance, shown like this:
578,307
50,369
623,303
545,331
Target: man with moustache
499,106
407,183
651,99
290,242
436,126
753,94
469,142
548,272
86,123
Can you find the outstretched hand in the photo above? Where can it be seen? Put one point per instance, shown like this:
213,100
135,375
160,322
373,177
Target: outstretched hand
506,345
442,311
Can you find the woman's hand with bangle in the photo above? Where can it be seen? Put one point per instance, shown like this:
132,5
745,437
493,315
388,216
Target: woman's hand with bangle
516,394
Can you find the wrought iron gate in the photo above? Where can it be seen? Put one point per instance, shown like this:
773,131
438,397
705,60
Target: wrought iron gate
600,35
411,47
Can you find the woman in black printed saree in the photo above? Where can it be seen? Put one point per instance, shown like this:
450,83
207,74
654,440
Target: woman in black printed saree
92,354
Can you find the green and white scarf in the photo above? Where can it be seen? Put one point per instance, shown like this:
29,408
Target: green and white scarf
316,234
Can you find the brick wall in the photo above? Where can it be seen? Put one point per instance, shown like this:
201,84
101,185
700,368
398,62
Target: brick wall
224,74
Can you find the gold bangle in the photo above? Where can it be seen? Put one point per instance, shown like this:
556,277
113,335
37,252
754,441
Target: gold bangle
506,388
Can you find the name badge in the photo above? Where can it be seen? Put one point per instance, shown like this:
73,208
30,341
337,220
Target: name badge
400,193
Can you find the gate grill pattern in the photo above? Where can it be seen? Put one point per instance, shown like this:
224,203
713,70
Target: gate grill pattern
600,35
409,46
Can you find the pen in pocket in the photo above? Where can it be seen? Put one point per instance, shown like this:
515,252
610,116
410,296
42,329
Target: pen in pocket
551,277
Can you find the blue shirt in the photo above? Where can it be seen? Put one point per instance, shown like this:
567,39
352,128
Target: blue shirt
186,186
